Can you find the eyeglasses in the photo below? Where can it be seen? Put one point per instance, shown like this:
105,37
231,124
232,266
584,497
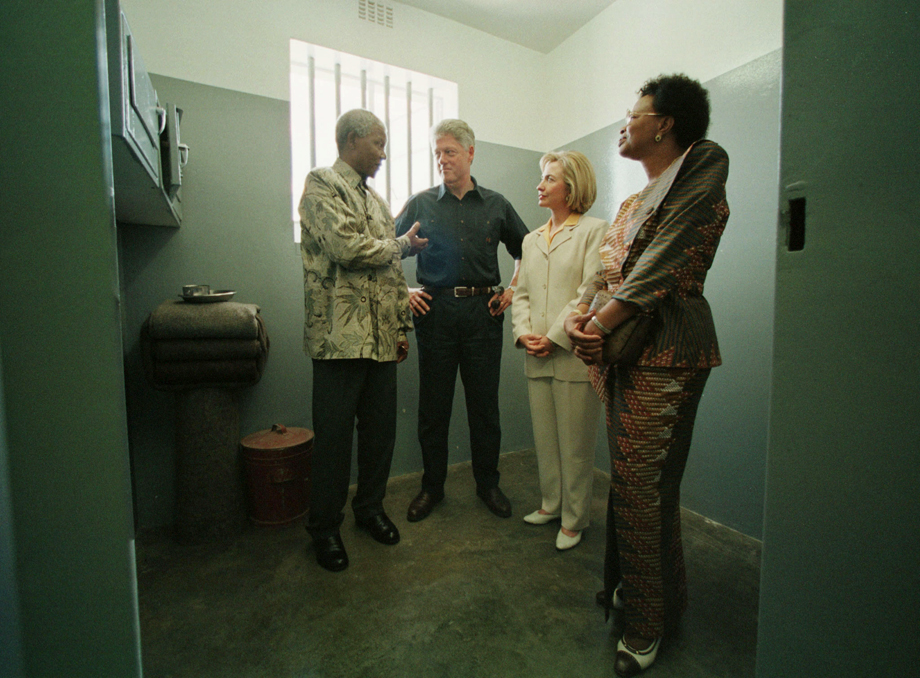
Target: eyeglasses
632,116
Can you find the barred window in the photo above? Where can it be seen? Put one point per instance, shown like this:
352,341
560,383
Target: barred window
326,83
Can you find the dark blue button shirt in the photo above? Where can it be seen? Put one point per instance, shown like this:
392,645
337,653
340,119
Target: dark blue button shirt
463,235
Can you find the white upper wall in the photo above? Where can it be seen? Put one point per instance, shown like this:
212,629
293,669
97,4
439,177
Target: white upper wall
594,75
244,45
509,94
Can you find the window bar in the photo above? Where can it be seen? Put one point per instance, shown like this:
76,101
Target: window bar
311,79
363,89
430,125
386,121
409,136
338,90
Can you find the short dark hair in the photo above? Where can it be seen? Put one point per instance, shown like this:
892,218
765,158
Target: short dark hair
685,100
358,120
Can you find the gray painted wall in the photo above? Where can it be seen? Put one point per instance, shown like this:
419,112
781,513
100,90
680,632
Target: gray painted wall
724,479
726,474
236,234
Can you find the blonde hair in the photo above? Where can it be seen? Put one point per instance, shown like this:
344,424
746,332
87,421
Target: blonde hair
579,178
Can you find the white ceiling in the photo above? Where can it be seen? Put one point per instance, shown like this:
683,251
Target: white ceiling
540,25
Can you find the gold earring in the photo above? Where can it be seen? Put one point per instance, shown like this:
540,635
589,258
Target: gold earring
657,137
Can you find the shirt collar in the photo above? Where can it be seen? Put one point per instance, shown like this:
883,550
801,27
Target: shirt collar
442,191
572,219
348,173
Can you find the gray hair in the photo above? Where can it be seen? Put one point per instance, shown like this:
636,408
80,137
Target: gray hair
357,120
458,129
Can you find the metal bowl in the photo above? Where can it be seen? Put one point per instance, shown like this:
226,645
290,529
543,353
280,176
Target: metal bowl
210,298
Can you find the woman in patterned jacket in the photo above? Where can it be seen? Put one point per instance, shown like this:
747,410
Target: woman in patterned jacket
655,258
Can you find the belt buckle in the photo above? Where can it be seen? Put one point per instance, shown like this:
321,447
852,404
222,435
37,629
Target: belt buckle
460,292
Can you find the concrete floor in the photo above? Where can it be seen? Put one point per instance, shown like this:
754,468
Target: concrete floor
464,594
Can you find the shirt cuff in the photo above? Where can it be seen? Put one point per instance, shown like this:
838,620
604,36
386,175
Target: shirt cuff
404,246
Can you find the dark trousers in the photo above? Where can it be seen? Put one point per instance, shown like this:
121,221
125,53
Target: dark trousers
345,391
459,334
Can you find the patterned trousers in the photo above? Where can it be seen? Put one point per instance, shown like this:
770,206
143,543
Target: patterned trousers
650,416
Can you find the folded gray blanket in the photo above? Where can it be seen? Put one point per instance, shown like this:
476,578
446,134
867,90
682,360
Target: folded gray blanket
173,364
181,350
177,319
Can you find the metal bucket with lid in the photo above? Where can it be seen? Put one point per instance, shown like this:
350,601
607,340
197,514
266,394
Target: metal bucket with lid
277,462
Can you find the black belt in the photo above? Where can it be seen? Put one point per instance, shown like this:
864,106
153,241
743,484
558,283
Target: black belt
459,291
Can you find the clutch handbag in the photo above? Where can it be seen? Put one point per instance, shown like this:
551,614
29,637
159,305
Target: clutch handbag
624,345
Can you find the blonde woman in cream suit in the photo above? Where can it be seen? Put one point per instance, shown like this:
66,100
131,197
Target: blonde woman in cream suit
559,260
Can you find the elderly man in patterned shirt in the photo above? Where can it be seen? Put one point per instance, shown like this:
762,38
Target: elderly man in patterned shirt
356,316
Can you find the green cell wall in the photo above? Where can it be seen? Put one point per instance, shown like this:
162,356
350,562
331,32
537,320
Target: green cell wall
840,589
65,453
10,636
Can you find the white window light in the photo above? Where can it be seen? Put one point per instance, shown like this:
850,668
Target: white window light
326,83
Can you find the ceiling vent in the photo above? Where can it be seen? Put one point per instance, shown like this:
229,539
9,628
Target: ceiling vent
375,12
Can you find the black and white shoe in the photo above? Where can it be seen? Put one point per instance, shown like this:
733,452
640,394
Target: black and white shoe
632,662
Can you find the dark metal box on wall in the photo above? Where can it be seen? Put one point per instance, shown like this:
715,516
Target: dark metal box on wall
147,155
277,462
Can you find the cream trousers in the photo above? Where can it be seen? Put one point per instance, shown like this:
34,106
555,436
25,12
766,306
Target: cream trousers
565,420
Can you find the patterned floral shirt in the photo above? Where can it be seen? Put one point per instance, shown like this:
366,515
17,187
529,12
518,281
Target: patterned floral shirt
679,219
356,303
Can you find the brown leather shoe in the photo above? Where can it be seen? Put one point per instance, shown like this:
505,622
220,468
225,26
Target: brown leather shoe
497,502
421,506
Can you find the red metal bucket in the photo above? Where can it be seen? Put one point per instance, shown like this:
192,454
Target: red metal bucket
277,463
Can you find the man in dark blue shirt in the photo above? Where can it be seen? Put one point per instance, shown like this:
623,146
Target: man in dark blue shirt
459,314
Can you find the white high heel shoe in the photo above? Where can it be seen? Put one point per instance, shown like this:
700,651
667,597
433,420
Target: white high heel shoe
565,542
537,518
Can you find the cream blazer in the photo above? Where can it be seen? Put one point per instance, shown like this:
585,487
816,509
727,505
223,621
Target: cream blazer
550,284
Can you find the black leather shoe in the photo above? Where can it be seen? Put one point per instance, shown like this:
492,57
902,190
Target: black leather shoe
330,552
381,528
603,600
421,506
497,502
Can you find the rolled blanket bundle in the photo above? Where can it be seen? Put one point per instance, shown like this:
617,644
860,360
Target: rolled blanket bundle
185,346
181,350
177,319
